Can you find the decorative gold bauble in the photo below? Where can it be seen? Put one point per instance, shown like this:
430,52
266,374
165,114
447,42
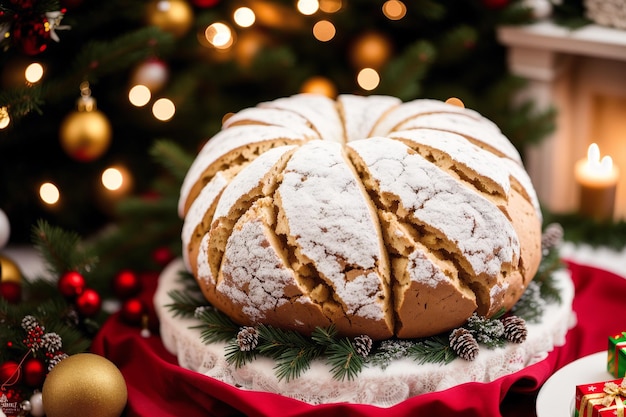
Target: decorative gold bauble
85,134
173,16
82,385
319,85
371,50
9,271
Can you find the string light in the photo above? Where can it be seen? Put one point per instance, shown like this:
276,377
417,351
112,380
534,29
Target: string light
368,79
330,6
219,35
244,17
5,119
112,179
308,7
324,31
139,95
49,193
163,109
394,9
33,72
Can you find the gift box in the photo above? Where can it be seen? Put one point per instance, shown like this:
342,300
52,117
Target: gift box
616,359
601,399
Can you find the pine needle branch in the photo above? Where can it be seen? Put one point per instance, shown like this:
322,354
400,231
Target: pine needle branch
171,156
62,250
432,350
344,360
216,326
184,304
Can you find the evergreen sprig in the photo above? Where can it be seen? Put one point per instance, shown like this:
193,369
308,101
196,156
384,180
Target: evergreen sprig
435,349
216,326
61,249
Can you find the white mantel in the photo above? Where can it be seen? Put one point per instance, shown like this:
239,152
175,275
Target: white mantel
566,69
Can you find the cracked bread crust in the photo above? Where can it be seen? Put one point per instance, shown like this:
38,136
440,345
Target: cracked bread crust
380,217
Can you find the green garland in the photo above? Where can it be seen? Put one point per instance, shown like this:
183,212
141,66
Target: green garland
294,353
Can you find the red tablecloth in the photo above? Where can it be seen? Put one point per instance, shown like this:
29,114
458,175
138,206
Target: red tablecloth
158,387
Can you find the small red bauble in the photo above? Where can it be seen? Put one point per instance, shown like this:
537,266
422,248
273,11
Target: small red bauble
133,310
11,291
204,3
88,303
162,256
71,284
496,4
126,284
33,372
10,373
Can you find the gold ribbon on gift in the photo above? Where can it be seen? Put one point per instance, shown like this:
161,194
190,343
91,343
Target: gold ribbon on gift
611,392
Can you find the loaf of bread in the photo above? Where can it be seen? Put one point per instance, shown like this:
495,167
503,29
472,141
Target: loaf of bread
381,217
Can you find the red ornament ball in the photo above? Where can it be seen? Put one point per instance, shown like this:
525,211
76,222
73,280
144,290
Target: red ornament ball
133,310
204,3
495,4
162,256
11,291
33,372
88,303
10,373
126,284
71,284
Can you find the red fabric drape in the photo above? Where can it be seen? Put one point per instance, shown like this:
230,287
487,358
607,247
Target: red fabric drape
158,387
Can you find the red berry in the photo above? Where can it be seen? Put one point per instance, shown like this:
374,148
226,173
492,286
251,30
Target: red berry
88,302
71,284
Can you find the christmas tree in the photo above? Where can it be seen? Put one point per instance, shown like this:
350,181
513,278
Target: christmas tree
202,59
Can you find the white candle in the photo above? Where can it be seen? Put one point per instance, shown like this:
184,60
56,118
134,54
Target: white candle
597,179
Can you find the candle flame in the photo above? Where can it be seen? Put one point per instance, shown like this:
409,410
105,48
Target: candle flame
601,167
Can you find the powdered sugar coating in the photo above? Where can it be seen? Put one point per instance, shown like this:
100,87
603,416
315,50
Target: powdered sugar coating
204,274
258,281
478,130
225,142
320,111
249,178
360,114
273,117
198,211
334,226
414,109
481,232
461,151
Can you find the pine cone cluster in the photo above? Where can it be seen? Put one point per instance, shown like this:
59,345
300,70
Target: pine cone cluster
464,344
552,236
247,339
515,330
363,345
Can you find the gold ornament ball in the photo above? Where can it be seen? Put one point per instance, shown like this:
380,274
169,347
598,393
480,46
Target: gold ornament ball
9,271
371,50
319,85
173,16
85,135
84,384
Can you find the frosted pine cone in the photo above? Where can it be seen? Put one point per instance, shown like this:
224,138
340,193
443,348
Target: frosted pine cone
247,339
30,323
515,329
363,345
52,342
463,344
552,236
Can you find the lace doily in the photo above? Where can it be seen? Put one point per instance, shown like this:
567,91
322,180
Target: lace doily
402,379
